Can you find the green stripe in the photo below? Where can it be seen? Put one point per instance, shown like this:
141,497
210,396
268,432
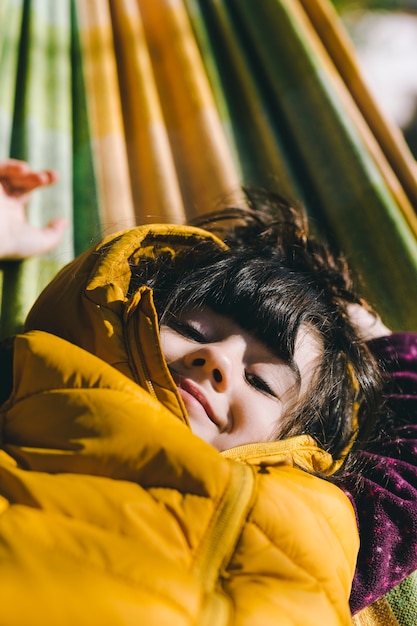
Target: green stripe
199,15
42,135
87,228
230,66
341,185
10,28
403,601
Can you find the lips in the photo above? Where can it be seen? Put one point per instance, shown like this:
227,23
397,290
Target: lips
190,388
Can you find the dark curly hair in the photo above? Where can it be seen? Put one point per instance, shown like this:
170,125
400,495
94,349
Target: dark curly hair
272,279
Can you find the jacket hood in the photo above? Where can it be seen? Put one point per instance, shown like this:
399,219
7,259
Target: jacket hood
87,304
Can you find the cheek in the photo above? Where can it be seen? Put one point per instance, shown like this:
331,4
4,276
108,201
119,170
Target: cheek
262,419
172,344
167,343
263,432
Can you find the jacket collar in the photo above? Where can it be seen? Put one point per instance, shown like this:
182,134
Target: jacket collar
300,451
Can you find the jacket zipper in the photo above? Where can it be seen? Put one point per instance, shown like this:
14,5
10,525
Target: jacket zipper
221,541
136,357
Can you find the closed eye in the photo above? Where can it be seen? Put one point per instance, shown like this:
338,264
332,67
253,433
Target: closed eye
186,330
258,383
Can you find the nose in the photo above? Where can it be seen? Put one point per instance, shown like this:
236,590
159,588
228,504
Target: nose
216,361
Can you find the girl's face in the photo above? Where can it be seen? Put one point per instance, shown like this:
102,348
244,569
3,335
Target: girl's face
236,391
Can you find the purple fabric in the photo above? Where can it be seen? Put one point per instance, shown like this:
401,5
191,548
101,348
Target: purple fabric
385,495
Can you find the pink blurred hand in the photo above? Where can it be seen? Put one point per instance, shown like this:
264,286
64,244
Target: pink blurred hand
368,324
18,238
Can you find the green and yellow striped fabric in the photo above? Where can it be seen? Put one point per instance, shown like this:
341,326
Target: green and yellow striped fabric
160,111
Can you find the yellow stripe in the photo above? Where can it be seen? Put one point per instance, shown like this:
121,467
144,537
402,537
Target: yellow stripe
203,160
378,614
105,116
155,185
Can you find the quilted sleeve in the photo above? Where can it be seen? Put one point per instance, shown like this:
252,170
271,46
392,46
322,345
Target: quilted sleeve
295,559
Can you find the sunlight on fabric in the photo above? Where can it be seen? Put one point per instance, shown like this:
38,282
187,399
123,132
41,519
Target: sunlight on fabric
39,103
159,111
9,42
202,158
105,115
155,186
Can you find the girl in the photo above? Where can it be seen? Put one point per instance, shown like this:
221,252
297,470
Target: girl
112,502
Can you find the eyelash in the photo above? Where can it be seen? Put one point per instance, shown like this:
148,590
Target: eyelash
257,383
188,331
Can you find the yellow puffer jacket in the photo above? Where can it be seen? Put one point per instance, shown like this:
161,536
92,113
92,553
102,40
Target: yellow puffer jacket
112,512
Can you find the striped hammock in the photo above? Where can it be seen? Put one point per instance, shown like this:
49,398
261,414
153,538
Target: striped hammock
159,111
